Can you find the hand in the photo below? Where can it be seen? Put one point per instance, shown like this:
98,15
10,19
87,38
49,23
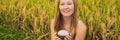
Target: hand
69,37
57,38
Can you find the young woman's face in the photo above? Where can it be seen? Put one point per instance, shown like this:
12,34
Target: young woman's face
66,7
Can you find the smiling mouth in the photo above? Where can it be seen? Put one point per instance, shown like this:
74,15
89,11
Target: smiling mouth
66,11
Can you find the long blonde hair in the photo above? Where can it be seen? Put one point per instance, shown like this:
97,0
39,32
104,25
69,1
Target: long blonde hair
59,18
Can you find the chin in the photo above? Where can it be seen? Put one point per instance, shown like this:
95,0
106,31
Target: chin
66,14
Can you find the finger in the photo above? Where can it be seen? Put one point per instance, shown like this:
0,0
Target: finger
58,39
68,37
55,33
70,34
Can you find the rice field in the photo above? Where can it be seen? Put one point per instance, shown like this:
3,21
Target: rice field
30,19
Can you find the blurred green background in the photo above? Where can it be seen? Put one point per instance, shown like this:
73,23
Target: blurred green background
30,19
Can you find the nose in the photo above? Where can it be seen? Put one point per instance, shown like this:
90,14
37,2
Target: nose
66,7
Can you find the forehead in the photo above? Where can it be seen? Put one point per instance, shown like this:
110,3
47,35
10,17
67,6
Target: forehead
61,1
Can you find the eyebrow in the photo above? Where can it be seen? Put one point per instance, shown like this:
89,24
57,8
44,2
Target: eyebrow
67,2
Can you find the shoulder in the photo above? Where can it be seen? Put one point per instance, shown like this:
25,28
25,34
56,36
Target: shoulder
81,26
52,23
80,30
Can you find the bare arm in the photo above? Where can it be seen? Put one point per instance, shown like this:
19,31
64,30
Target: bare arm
53,33
52,29
80,31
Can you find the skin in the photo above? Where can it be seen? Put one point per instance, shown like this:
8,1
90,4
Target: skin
67,8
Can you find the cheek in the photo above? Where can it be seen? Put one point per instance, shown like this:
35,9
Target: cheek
71,8
60,8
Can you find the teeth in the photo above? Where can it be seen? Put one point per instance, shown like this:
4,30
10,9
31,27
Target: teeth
66,11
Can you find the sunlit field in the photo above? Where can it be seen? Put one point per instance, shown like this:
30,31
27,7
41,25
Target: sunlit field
30,19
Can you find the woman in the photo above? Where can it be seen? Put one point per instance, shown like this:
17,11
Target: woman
66,20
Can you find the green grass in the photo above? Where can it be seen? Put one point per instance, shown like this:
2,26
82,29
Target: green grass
12,34
30,19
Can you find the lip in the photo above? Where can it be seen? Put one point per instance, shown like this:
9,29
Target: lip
66,11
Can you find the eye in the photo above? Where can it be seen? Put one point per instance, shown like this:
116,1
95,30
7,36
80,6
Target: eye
62,4
69,3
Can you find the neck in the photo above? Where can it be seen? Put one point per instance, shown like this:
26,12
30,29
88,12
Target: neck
67,20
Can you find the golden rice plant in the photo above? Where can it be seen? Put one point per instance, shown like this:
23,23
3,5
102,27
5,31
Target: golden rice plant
32,17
